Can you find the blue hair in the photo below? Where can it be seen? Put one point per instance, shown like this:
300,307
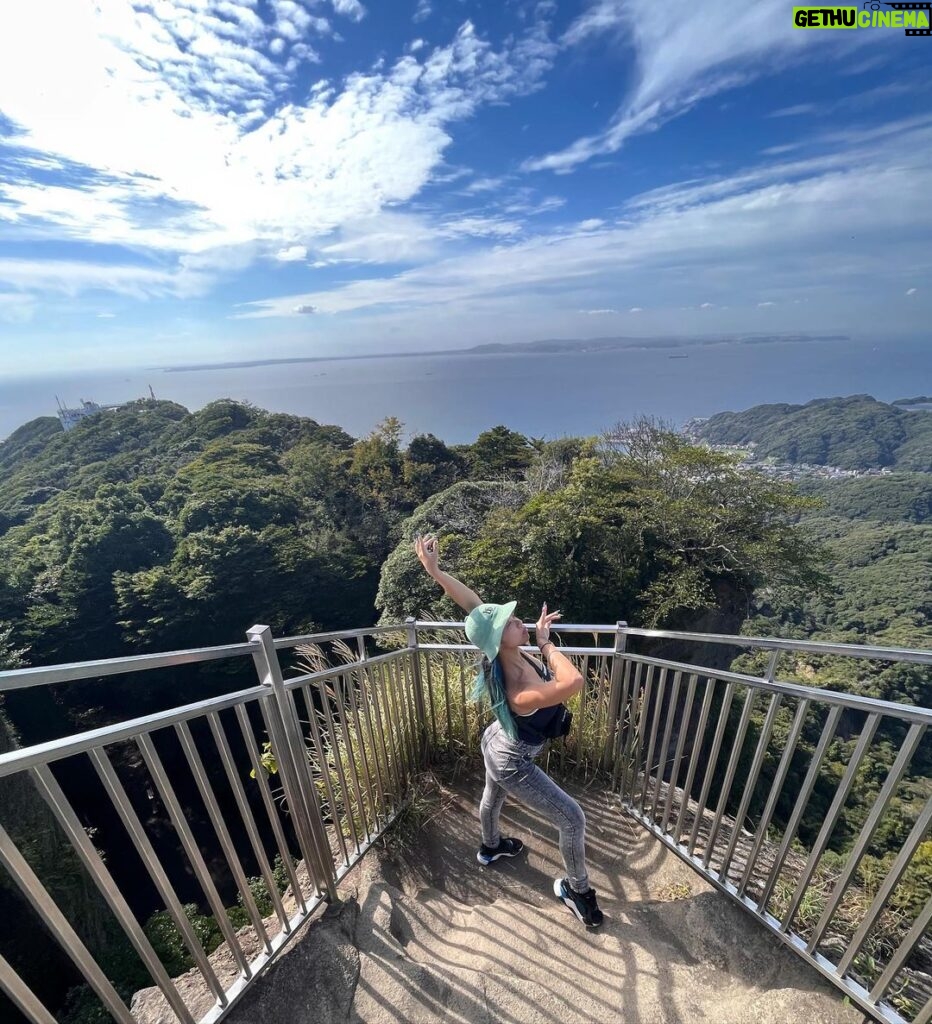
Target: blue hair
489,685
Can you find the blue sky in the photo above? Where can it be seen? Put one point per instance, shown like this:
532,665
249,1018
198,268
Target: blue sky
207,180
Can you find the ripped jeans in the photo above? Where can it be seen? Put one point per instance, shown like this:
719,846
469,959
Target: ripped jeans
510,771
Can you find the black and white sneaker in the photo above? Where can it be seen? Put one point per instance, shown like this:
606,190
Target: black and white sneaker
582,904
505,848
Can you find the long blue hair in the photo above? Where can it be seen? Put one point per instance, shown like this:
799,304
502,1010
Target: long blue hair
489,685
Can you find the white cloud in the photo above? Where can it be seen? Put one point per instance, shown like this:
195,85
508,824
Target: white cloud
635,309
684,53
591,224
911,291
794,111
178,141
71,277
764,305
292,254
598,312
351,8
105,316
424,11
790,228
416,44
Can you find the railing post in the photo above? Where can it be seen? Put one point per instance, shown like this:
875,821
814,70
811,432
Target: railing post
614,691
290,754
419,705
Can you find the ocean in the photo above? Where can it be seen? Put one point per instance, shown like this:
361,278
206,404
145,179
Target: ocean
457,396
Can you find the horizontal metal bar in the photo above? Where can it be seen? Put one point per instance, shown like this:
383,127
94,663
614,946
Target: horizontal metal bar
296,682
469,649
66,746
903,712
21,678
920,656
343,634
563,627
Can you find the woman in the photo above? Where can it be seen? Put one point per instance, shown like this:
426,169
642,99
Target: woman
527,698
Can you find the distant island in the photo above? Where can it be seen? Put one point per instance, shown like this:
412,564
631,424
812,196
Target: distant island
551,345
918,400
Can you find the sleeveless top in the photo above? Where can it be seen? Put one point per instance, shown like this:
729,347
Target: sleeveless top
537,726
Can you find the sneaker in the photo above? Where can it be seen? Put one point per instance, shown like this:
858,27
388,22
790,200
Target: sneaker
582,904
505,848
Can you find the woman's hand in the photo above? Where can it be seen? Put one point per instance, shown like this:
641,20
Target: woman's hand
428,552
542,627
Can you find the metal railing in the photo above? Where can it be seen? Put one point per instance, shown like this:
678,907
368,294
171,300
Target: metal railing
724,768
299,774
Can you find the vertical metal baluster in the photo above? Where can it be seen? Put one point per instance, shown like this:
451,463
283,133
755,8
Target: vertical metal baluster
903,953
347,795
324,766
730,772
694,756
899,865
373,709
652,710
41,901
678,754
750,785
421,742
831,819
924,1016
268,802
627,733
387,731
881,802
366,704
620,738
403,699
644,708
351,708
464,700
212,807
178,819
828,731
615,710
427,671
665,745
22,995
776,788
583,709
413,660
242,802
447,657
149,857
287,738
710,766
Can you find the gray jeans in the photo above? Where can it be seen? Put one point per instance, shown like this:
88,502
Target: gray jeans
510,771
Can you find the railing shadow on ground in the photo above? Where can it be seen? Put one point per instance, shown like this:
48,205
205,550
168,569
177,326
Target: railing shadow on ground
218,804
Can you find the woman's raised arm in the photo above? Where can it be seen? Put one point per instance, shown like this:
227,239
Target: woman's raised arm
428,551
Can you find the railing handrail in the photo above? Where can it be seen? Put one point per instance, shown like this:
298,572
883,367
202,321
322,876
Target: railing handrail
78,671
849,701
919,656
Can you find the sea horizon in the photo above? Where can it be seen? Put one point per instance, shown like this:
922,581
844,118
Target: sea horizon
457,394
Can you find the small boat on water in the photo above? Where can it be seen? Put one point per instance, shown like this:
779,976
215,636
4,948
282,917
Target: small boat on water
683,356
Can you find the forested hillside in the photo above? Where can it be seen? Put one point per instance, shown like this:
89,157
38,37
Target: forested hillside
151,528
857,432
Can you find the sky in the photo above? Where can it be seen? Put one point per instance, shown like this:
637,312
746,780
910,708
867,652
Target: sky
191,181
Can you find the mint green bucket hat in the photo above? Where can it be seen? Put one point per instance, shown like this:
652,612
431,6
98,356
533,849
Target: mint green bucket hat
485,625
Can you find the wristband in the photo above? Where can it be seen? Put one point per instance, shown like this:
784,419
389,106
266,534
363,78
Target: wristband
544,644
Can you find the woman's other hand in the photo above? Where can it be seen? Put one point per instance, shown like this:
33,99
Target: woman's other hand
542,627
427,549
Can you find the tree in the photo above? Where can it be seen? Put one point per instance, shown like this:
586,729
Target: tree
499,452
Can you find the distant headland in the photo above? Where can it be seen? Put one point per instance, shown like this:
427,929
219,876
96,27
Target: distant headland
548,345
